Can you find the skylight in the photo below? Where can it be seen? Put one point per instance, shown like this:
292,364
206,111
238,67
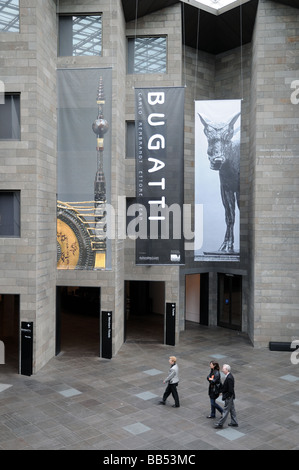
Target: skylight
216,7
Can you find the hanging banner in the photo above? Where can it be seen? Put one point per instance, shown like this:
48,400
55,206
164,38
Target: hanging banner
159,131
84,110
217,180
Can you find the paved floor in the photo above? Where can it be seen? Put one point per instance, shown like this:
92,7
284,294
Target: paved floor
80,401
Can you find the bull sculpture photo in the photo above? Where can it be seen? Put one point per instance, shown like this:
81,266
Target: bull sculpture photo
224,156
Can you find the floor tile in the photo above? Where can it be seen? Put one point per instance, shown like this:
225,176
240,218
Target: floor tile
137,428
218,356
146,395
290,378
153,372
70,392
230,434
4,387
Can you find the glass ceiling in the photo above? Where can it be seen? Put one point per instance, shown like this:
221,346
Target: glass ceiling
216,7
9,16
87,32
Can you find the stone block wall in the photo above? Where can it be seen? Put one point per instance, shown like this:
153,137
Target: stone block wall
223,76
29,165
275,170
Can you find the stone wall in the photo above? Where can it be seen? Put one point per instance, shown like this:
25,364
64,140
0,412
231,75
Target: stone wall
223,76
29,66
275,215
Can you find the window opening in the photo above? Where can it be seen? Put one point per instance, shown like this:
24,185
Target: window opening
80,35
147,55
9,16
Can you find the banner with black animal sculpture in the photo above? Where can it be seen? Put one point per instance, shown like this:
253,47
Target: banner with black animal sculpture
217,180
159,144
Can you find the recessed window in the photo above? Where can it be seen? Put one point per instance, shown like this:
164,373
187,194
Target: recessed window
9,213
10,117
9,16
80,35
147,55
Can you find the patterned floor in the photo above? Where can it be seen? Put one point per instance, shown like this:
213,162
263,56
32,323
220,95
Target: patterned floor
82,402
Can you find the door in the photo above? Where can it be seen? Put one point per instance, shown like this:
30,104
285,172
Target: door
144,311
197,298
204,299
78,319
10,330
58,321
230,301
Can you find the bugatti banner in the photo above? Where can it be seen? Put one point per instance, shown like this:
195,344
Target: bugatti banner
159,131
217,180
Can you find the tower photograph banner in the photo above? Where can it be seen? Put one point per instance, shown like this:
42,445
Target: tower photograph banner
217,180
84,111
159,148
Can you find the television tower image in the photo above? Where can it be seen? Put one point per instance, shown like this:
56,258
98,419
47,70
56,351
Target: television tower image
100,126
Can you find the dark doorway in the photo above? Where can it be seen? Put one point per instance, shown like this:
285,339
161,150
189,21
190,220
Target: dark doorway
204,299
78,320
9,330
197,298
230,301
144,311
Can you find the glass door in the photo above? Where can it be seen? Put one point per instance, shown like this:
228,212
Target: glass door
230,301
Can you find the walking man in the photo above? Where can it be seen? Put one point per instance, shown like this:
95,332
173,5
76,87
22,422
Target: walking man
228,396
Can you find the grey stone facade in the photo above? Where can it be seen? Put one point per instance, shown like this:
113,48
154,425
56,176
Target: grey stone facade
260,73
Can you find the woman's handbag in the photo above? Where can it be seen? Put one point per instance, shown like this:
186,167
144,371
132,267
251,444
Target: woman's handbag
218,387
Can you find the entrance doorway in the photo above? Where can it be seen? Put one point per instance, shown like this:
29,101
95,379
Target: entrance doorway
197,298
144,311
230,301
9,330
78,320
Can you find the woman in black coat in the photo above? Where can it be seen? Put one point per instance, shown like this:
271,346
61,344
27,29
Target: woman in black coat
214,379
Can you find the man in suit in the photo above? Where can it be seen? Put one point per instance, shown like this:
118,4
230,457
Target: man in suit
228,396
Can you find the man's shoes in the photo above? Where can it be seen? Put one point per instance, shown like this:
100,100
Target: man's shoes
163,403
218,426
233,425
212,417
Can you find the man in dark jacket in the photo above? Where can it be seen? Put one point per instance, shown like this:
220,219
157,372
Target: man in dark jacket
228,396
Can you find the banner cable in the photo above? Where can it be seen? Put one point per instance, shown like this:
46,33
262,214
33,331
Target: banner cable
136,18
241,52
184,41
197,51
